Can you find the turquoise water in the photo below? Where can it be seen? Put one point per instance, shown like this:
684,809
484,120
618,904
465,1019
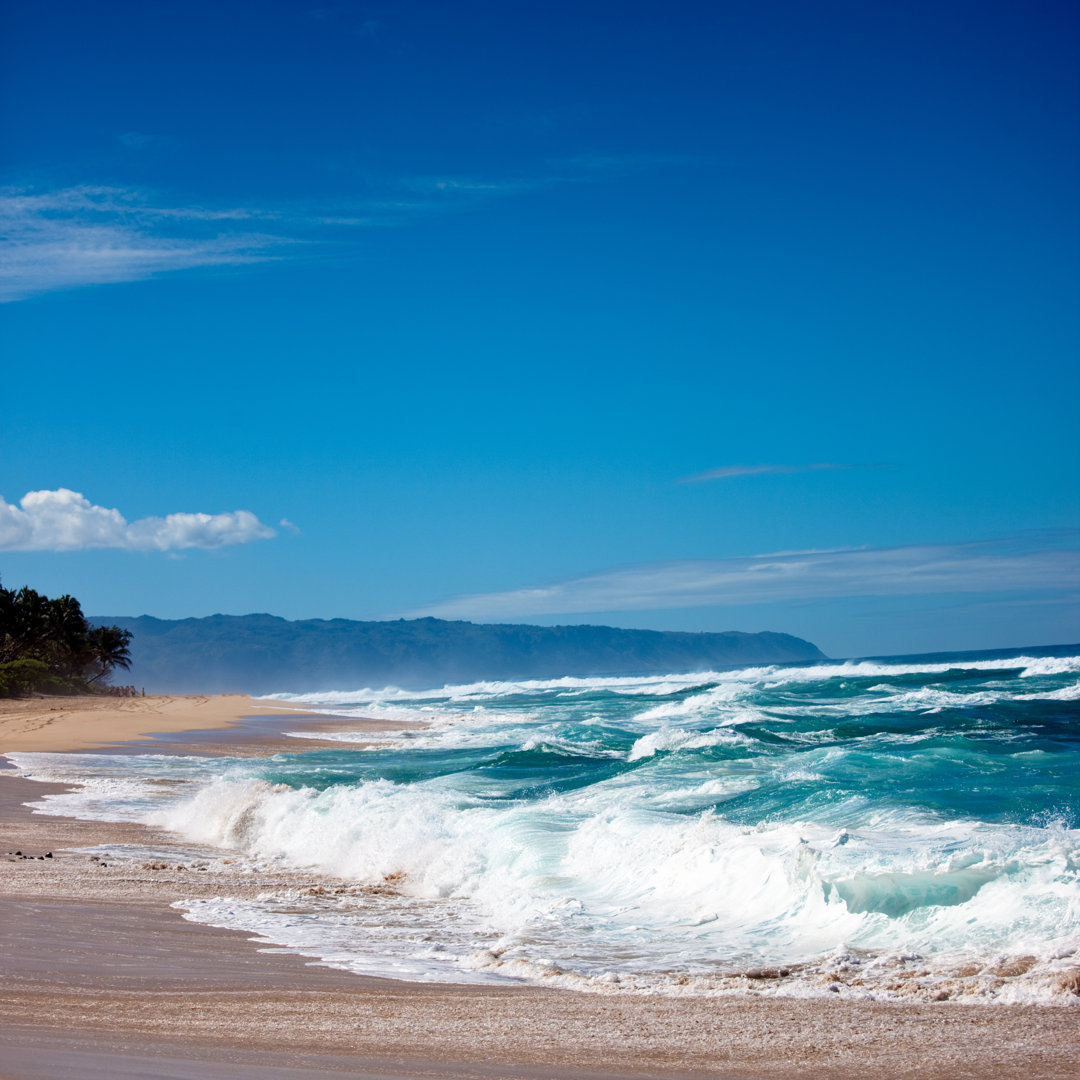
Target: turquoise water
894,827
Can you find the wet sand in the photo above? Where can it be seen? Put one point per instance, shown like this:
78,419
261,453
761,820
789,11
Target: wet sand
51,724
176,723
100,977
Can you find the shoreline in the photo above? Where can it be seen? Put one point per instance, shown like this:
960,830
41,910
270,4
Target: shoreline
64,724
210,725
96,967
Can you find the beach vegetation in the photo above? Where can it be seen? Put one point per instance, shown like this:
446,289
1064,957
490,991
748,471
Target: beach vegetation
47,646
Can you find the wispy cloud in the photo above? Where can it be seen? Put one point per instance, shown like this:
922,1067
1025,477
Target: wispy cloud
137,140
470,186
65,520
728,472
334,13
599,165
1023,563
101,234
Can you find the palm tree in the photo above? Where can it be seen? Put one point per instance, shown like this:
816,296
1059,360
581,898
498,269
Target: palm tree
108,647
25,625
64,632
55,635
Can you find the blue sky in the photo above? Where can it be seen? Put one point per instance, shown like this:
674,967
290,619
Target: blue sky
688,316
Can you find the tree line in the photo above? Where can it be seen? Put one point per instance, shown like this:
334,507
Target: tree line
47,646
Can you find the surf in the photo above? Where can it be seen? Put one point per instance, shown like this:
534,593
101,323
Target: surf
882,828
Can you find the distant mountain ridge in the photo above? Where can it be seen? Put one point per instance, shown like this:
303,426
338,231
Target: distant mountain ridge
263,653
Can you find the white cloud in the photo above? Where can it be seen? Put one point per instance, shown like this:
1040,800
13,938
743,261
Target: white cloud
985,567
65,520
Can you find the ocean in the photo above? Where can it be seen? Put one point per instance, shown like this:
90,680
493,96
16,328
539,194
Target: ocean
894,828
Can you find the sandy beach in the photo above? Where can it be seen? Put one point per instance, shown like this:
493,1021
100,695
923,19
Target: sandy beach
101,977
47,725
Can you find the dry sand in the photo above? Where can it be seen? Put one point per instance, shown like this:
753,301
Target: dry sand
99,977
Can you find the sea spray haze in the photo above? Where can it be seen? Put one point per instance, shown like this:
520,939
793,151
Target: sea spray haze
896,828
263,653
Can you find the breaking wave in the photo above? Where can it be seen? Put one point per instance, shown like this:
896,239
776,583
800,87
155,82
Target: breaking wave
873,829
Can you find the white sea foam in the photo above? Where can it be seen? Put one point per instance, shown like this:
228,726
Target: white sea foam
558,889
567,887
668,738
635,880
111,787
768,675
1064,693
585,874
656,685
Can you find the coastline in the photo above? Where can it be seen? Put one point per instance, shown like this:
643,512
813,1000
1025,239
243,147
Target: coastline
60,724
97,968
